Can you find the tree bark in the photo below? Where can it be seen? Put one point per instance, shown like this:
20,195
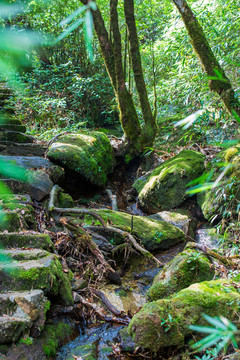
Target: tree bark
150,126
218,82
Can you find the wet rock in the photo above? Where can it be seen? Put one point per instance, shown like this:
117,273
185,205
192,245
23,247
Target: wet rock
127,343
88,155
154,234
165,322
188,267
179,219
165,187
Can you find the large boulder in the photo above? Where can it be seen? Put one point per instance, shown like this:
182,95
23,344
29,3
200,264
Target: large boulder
165,322
88,155
154,234
165,187
188,267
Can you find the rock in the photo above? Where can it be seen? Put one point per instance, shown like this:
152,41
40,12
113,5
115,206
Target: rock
79,284
26,240
13,149
88,155
154,234
39,185
21,312
42,273
177,218
165,322
65,200
25,212
165,187
10,221
188,267
207,237
11,328
127,344
16,137
13,127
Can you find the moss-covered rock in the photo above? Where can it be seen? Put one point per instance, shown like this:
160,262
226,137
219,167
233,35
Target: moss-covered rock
45,273
165,187
188,267
89,155
178,218
154,234
26,240
165,322
54,336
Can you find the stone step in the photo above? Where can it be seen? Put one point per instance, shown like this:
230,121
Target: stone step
45,274
10,120
28,162
15,137
26,239
13,127
11,328
14,149
11,221
26,254
28,307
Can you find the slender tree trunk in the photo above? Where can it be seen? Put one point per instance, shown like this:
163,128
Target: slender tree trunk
218,82
112,55
150,126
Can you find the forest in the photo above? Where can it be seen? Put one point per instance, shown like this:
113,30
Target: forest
119,180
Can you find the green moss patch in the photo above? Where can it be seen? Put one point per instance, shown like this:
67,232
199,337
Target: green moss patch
165,187
87,154
188,267
165,322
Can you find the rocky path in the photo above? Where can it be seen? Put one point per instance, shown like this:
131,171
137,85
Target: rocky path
31,274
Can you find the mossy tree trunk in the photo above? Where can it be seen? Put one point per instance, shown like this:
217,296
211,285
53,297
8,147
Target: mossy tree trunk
136,137
218,82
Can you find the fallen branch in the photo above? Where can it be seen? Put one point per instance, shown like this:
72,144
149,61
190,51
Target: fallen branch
207,251
106,302
100,313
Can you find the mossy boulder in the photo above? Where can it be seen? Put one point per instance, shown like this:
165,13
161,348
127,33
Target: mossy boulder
88,155
44,272
165,187
188,267
65,200
53,336
212,200
154,234
165,322
178,218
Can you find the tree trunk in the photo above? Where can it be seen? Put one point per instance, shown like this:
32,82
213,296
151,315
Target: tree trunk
218,80
150,126
112,56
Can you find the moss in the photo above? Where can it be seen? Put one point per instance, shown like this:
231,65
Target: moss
46,274
154,234
53,336
215,298
65,200
165,187
89,155
188,267
10,221
24,240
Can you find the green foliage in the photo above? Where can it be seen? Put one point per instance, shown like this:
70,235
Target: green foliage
26,341
222,332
